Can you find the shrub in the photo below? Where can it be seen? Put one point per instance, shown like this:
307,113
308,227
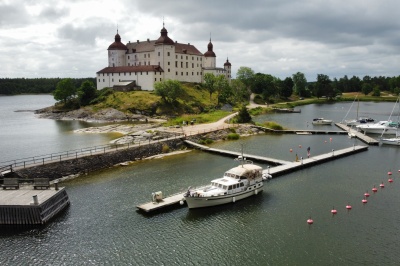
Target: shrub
165,148
206,141
273,125
233,136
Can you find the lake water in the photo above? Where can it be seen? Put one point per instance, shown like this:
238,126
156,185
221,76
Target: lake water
102,226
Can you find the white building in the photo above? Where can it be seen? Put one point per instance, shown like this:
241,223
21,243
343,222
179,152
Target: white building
143,63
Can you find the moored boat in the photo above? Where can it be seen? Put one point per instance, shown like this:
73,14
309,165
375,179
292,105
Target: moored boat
382,127
321,121
237,183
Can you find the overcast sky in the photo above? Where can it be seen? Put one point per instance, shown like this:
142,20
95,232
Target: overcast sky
69,38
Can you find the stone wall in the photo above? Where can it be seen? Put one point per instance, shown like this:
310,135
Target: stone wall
97,162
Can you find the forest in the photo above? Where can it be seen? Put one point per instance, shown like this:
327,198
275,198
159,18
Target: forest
13,86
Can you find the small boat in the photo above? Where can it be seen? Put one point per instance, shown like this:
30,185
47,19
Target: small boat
391,141
321,121
237,183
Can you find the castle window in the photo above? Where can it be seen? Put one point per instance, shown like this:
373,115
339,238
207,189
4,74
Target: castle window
192,65
168,70
155,79
99,80
181,73
144,63
187,64
186,57
176,73
168,53
158,53
181,64
176,56
112,80
104,80
176,63
147,73
168,63
141,73
192,58
187,73
192,74
148,55
160,79
181,56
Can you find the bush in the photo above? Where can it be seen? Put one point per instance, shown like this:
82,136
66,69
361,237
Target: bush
233,136
206,141
273,125
165,148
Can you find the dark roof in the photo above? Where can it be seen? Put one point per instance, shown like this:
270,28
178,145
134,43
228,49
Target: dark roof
122,69
181,48
117,44
210,52
164,39
227,63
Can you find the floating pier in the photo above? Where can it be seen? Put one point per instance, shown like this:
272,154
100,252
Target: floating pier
29,206
276,171
236,154
364,138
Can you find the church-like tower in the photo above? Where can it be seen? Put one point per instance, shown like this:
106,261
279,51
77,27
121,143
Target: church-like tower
116,52
209,56
228,69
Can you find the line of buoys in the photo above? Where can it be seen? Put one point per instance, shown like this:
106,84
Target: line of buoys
364,200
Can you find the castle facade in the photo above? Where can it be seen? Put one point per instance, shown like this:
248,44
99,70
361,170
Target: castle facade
140,64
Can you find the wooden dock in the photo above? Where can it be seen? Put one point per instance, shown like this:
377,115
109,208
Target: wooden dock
358,134
302,131
276,171
308,162
165,202
237,154
28,206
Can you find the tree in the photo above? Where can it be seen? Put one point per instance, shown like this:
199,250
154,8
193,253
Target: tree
86,92
221,85
243,115
65,90
323,86
168,90
240,92
376,91
245,75
366,88
300,83
286,88
209,83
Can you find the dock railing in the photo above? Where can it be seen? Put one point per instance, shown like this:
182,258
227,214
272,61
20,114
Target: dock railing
89,151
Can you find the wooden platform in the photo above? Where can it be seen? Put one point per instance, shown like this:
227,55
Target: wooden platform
236,154
17,207
274,171
358,134
165,202
307,162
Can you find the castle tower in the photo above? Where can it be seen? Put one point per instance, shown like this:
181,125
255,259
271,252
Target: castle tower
209,56
116,52
228,69
164,50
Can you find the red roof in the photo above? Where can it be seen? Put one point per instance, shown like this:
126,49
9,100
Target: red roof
122,69
117,45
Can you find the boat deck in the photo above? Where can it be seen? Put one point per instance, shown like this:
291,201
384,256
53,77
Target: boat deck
165,202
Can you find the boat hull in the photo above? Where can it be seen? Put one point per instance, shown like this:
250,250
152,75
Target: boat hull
201,202
387,131
392,141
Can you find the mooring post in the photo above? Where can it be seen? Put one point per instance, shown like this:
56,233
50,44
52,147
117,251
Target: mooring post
354,147
56,184
301,158
35,200
333,152
268,169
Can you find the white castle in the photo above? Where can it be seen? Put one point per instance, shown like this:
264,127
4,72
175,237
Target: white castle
141,64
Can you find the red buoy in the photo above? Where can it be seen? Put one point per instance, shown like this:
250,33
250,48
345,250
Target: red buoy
333,211
299,146
364,200
291,150
366,194
382,185
390,180
348,206
374,189
310,221
389,173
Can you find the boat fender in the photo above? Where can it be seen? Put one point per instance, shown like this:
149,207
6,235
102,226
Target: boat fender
181,202
233,199
256,192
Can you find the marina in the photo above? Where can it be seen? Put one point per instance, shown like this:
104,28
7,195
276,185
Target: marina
365,138
287,167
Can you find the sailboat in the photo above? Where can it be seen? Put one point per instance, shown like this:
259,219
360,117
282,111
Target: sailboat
395,140
358,120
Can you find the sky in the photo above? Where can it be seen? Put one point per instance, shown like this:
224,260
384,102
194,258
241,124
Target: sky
69,38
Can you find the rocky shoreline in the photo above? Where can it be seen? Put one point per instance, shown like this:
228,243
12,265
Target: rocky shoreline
89,115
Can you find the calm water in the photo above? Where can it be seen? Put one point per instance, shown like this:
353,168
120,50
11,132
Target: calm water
22,135
102,226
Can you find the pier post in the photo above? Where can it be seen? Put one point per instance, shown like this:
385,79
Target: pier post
56,184
354,147
301,158
268,169
333,152
35,200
